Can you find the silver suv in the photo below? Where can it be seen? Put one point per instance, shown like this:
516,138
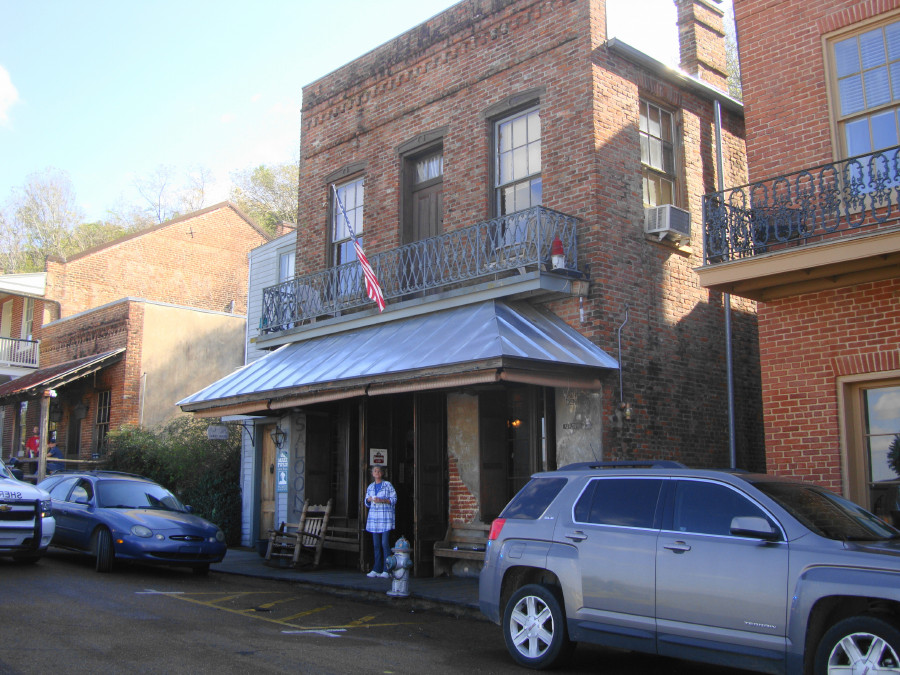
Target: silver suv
745,570
26,522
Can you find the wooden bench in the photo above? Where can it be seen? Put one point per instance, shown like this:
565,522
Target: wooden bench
463,541
291,539
340,538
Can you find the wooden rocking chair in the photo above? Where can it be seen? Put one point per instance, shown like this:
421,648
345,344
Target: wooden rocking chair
291,539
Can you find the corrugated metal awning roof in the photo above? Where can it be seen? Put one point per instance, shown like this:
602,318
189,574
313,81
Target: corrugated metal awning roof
488,341
51,377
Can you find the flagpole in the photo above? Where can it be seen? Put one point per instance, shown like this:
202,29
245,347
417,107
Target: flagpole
373,288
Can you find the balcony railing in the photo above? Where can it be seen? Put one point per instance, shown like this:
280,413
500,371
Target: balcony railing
829,201
458,258
23,353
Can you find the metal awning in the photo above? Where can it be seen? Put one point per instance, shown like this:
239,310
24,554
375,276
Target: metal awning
33,384
485,342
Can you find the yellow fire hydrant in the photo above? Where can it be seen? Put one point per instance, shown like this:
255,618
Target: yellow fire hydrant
398,565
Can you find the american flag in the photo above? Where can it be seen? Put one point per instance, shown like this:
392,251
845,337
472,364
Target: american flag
373,288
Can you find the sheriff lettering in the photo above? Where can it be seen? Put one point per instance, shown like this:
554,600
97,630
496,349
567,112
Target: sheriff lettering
9,494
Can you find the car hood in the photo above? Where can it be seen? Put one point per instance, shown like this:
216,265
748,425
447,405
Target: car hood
156,519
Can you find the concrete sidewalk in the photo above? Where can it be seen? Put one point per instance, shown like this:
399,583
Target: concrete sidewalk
454,595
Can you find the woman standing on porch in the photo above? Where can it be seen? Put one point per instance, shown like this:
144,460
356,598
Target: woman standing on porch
381,499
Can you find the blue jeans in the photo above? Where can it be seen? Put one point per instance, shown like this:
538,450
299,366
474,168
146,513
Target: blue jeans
382,550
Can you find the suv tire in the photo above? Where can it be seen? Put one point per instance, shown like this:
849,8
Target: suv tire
858,642
534,628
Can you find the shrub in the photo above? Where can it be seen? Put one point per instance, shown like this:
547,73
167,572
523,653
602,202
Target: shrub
203,473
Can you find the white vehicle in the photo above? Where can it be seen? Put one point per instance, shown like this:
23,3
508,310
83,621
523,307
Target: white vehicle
26,523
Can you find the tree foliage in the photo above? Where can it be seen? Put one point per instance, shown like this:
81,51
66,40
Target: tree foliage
894,455
168,197
203,473
268,194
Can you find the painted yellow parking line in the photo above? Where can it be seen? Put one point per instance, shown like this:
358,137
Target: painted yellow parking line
214,603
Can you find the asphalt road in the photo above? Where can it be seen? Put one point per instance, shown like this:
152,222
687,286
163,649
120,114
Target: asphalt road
59,616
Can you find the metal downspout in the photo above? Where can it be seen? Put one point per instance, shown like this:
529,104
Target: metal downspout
729,361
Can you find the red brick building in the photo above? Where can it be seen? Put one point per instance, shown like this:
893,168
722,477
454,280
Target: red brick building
460,151
815,236
127,328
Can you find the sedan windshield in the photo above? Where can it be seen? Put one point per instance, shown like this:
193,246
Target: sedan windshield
828,514
129,494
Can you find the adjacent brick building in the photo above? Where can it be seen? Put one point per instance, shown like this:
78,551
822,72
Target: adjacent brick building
127,328
460,151
815,237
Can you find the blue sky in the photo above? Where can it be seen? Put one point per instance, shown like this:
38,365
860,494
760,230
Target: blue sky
108,90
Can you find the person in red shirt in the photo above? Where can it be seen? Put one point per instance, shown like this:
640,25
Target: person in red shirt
33,443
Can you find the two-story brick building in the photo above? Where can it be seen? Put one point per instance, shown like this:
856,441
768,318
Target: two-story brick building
127,328
815,235
524,190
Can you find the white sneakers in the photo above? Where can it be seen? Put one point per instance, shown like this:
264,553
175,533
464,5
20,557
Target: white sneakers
373,574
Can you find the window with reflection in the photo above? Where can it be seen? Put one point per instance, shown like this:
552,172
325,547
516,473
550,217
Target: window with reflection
517,161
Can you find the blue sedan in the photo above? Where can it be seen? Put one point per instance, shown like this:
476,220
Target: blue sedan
117,517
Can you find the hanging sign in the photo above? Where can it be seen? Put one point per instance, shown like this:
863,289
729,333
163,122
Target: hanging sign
377,457
281,471
217,432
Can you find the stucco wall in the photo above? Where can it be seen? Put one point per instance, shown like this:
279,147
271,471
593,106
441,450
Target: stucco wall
183,351
463,454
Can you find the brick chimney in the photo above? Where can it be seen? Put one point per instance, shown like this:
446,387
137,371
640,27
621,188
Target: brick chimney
701,40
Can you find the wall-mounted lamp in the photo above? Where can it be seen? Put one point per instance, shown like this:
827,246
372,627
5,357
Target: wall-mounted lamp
278,436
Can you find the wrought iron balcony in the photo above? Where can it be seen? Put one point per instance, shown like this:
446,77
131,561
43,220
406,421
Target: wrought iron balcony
840,199
20,353
454,259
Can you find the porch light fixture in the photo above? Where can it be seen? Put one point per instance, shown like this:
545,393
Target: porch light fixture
278,436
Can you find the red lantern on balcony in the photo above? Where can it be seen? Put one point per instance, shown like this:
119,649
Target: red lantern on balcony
557,254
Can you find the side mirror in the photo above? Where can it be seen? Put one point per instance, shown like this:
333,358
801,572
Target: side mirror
188,509
753,527
80,496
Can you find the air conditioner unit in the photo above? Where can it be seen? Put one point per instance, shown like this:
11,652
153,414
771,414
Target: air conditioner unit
668,221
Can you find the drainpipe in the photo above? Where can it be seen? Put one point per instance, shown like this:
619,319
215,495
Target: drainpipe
729,361
621,387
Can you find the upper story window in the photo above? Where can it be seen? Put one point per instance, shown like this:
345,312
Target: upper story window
285,266
657,132
866,88
517,161
27,318
352,196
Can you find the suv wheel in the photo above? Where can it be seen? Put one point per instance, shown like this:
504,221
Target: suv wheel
534,628
859,644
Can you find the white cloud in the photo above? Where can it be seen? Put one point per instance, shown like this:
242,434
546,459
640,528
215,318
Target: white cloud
9,95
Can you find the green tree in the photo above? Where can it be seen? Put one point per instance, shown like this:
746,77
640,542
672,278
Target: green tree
268,194
38,221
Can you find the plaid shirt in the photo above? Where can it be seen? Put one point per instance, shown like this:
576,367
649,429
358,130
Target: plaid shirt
381,516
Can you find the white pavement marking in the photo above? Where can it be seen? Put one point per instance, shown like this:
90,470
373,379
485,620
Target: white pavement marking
150,591
327,633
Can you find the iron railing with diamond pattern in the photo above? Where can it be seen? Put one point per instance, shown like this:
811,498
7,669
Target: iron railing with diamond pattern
490,248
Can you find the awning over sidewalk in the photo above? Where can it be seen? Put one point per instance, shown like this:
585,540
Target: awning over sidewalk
486,342
52,377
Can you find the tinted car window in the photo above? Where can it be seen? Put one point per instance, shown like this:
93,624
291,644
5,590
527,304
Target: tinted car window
136,495
629,502
533,499
60,491
708,508
826,513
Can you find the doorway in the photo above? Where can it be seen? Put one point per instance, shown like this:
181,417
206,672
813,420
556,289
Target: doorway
267,481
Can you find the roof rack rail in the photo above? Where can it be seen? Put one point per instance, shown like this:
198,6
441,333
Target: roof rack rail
649,464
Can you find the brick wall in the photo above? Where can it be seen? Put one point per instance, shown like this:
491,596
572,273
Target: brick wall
806,343
784,76
447,73
199,260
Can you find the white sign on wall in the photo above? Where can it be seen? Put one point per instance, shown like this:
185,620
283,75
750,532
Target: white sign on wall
378,457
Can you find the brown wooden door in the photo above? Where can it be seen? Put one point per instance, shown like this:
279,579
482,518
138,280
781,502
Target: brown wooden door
430,479
267,483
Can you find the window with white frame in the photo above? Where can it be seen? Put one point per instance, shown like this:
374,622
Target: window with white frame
285,266
352,196
517,162
657,133
27,318
865,82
